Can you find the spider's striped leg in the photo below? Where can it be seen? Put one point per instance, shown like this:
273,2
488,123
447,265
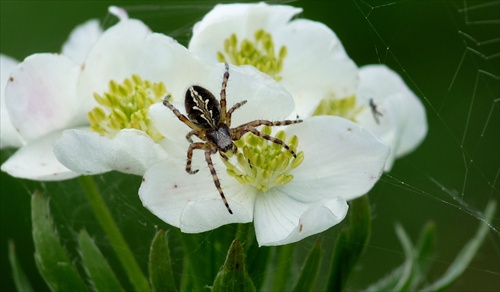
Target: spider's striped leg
194,133
238,132
223,93
223,155
257,123
180,116
231,110
192,147
209,152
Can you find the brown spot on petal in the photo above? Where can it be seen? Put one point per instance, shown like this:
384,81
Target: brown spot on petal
349,129
175,186
11,79
300,227
143,179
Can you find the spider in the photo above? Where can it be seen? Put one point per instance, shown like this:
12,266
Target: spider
210,121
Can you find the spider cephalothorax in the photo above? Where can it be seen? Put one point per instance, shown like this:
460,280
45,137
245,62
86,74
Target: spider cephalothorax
211,123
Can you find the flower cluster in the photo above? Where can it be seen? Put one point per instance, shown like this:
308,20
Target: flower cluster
98,107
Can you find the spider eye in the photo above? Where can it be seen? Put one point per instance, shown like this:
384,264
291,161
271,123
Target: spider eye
202,107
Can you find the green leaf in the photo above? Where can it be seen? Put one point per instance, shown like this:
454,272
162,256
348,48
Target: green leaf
412,272
160,265
98,269
424,249
50,257
310,269
233,275
18,275
257,261
197,266
388,282
202,256
257,258
350,243
407,268
466,255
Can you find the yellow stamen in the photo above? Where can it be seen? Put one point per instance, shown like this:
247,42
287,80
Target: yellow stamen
262,163
259,53
125,106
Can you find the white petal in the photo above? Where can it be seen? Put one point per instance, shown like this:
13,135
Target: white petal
191,201
168,124
280,219
118,12
242,19
81,39
328,71
87,152
341,159
388,129
327,66
173,130
37,161
41,95
266,99
115,56
8,134
381,83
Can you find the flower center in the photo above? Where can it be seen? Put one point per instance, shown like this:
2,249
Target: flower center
345,107
125,106
259,53
262,163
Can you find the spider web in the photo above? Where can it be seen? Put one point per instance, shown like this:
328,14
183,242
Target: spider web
448,52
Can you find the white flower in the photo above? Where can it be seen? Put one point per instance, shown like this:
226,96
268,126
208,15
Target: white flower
41,101
115,144
8,134
125,134
386,106
309,61
338,161
305,56
76,47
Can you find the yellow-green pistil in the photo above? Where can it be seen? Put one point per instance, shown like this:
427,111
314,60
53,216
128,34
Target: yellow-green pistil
264,164
259,53
345,107
125,106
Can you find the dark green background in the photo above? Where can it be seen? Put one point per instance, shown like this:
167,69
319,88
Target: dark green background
424,41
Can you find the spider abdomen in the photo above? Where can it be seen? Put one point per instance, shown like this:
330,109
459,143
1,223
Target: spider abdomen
202,107
221,137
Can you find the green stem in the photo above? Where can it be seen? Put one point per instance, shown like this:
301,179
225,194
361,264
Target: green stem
119,244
